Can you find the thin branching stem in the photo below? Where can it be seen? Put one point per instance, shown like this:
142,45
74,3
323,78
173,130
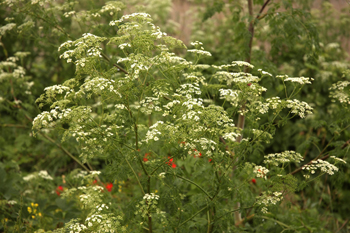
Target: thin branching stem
194,183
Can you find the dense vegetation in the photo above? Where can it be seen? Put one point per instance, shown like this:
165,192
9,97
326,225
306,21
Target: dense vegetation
109,123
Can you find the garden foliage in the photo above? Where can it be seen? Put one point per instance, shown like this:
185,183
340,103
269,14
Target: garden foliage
109,124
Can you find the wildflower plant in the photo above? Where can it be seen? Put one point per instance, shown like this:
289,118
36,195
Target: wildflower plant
164,124
133,96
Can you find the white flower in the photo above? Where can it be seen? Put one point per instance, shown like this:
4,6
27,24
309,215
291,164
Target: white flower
199,52
261,171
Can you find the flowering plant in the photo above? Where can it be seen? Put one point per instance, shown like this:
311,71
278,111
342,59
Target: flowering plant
135,102
159,120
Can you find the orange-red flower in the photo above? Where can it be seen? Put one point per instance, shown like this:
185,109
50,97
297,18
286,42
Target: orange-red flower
145,157
254,181
109,187
59,189
171,163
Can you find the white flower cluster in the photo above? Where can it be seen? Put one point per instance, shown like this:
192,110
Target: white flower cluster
264,72
260,171
230,95
225,66
300,80
45,118
192,115
95,173
105,223
261,107
88,45
94,52
94,218
110,7
77,228
337,92
67,14
262,135
148,205
153,132
122,46
97,85
170,105
284,157
11,202
231,136
142,16
199,52
188,90
91,195
324,166
243,63
7,27
158,33
236,77
43,174
190,103
15,71
95,15
150,196
97,223
300,108
149,104
196,43
274,102
195,78
57,89
338,159
12,59
166,58
206,146
269,198
41,2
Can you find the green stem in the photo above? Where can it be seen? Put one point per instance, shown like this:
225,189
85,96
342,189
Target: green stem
232,211
133,171
109,60
194,215
65,151
190,181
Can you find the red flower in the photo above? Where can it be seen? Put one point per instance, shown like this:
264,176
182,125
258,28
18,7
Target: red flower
109,187
145,157
94,182
249,84
59,189
254,181
209,160
170,163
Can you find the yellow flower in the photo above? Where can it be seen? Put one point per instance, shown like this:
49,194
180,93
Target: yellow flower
33,216
39,214
29,210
